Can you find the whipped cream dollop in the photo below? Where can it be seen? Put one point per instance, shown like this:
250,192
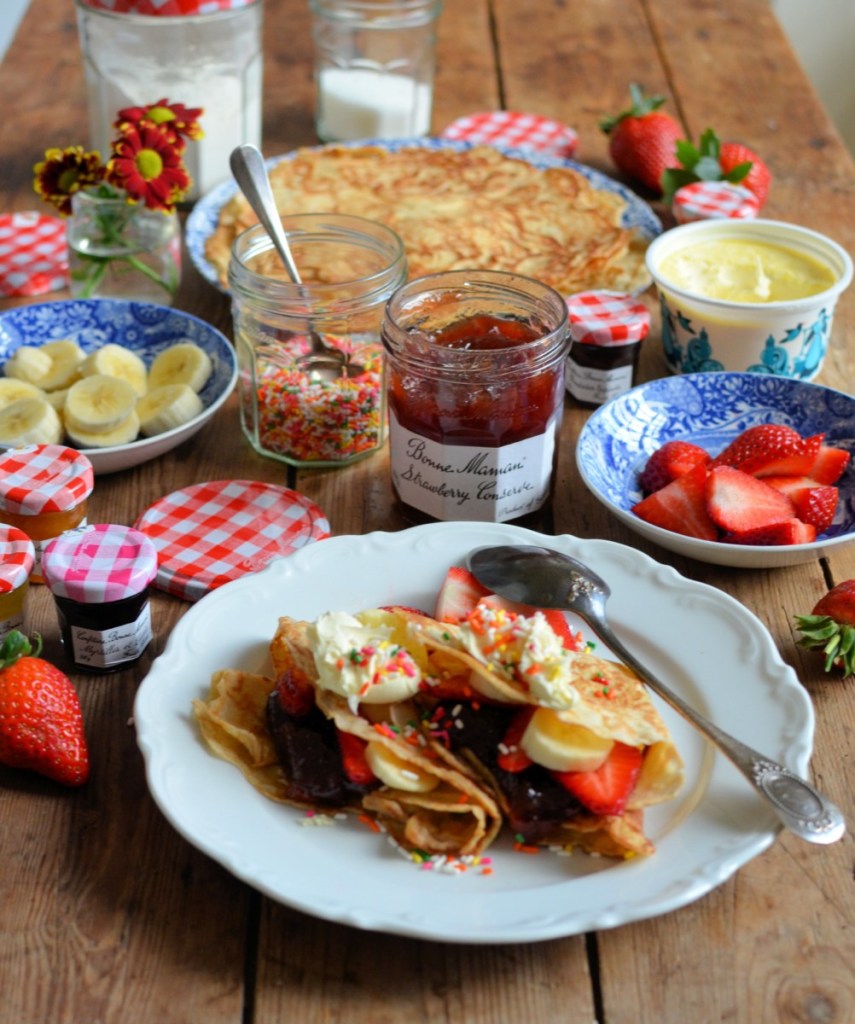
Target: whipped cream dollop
362,661
523,649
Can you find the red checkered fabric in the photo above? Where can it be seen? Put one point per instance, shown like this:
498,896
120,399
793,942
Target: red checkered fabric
209,534
33,254
607,318
100,563
17,557
167,8
44,478
507,128
714,200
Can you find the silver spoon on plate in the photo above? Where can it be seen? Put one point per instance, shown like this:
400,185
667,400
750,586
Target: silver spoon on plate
548,579
324,361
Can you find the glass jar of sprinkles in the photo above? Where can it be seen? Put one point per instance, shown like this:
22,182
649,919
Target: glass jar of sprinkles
100,580
297,404
476,393
17,556
44,491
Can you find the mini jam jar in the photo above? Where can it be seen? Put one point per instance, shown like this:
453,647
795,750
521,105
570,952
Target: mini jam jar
44,491
607,329
297,404
100,580
475,393
17,557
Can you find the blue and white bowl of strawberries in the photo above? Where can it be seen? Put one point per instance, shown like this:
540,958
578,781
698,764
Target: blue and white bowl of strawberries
711,410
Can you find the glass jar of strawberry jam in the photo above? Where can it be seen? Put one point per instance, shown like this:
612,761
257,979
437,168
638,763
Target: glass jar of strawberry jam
475,393
44,491
17,556
100,580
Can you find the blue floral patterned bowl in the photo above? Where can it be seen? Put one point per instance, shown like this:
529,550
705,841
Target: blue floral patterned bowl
711,409
145,328
784,337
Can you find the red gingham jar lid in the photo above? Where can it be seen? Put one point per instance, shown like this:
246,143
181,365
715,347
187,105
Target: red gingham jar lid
509,128
44,478
166,8
17,556
99,564
714,200
211,533
33,254
607,318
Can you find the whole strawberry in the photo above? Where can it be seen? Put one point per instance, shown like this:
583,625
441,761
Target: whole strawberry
831,627
643,139
41,725
713,160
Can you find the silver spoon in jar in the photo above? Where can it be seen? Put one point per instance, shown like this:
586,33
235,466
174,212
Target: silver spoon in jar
324,361
548,579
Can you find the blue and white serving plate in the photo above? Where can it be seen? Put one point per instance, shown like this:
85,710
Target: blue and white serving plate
204,217
145,328
711,409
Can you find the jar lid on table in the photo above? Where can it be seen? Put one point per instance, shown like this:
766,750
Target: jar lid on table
211,533
714,200
17,557
605,318
44,478
99,564
511,128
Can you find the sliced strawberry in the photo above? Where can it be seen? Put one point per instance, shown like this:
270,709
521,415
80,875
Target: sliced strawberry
606,790
671,460
680,506
830,464
296,694
814,503
790,531
458,595
353,759
737,501
758,447
512,758
556,619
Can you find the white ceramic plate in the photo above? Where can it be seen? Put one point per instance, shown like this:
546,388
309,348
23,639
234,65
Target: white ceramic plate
204,217
712,650
145,328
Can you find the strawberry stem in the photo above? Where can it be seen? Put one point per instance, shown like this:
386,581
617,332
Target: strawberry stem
16,646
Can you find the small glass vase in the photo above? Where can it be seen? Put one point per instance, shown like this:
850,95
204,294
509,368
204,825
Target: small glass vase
122,250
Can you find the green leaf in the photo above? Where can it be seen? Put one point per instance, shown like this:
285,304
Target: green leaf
739,172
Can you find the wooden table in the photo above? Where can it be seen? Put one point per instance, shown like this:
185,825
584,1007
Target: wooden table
106,914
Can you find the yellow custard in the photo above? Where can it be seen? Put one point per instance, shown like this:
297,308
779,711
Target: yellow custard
746,270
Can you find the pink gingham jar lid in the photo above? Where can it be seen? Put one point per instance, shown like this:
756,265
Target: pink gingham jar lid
99,564
166,8
607,318
211,533
17,557
517,130
33,254
714,200
44,478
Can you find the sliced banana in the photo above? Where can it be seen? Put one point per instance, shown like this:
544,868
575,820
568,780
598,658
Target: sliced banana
29,421
182,363
98,404
66,358
114,360
11,389
126,431
397,773
562,746
29,363
57,398
167,407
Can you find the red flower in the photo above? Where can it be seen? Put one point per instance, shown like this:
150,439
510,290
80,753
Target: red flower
147,164
175,118
64,172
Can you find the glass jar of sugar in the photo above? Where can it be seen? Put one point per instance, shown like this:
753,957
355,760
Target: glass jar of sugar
374,67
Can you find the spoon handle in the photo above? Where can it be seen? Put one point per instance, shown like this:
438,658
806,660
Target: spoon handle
801,808
247,166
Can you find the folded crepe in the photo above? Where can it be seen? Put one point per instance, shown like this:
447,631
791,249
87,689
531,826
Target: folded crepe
425,798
